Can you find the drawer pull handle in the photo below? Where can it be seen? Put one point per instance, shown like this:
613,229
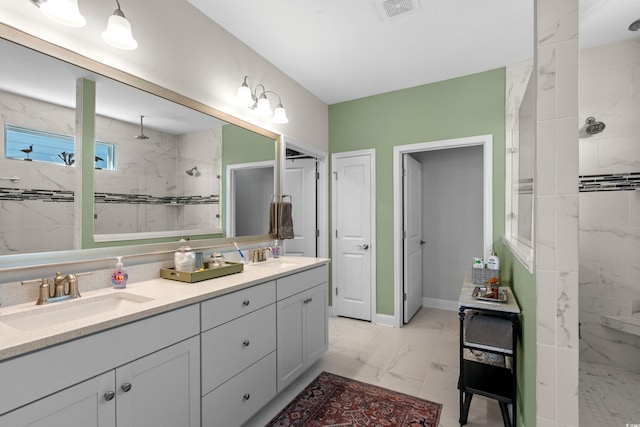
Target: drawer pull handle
246,303
126,387
246,396
109,395
307,300
246,343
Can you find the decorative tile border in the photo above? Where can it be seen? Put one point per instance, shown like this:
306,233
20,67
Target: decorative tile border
610,182
21,194
16,194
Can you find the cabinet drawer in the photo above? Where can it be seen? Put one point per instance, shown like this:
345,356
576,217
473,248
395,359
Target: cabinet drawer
222,309
299,282
240,398
232,347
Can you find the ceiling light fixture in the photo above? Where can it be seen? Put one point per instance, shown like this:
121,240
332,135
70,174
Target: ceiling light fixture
63,12
118,33
66,12
258,101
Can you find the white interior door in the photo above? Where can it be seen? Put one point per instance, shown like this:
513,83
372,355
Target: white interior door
300,183
412,241
353,209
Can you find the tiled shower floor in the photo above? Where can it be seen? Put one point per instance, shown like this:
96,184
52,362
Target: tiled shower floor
608,396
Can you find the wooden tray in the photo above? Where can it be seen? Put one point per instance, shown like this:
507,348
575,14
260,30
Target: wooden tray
479,291
206,274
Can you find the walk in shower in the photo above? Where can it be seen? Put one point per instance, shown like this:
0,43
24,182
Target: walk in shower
609,234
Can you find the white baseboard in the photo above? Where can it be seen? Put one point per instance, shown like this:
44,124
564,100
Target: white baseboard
441,304
384,320
379,319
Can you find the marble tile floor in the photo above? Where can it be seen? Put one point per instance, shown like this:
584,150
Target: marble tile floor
608,396
420,359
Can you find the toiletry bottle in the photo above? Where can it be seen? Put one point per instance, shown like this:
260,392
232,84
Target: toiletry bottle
276,250
119,276
493,262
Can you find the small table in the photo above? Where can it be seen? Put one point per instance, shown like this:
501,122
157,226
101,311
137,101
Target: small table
491,327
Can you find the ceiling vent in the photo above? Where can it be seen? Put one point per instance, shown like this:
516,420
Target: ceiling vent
392,8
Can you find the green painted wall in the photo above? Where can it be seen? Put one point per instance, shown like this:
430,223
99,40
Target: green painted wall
462,107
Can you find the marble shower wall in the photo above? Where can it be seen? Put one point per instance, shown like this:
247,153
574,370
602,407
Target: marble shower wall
144,168
610,220
556,212
24,223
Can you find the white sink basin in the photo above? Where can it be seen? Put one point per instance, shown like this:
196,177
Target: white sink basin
275,264
56,313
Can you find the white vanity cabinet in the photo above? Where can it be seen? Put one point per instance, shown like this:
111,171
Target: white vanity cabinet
146,373
302,328
238,344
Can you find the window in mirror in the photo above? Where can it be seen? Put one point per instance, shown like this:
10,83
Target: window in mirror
34,145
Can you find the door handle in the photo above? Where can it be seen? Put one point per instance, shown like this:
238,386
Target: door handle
363,246
422,242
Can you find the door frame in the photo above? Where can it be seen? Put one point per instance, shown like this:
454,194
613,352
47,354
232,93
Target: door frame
322,195
230,205
486,141
373,245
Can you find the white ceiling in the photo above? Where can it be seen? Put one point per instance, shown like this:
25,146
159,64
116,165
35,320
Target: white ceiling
347,49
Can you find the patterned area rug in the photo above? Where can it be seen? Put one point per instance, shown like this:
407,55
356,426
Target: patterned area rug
334,401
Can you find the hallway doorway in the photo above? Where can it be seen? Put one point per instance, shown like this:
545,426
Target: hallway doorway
456,201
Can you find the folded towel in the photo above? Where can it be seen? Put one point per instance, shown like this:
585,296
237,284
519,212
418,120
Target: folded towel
281,220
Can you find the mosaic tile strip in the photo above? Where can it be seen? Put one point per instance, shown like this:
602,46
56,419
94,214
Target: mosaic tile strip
20,194
610,182
145,199
17,194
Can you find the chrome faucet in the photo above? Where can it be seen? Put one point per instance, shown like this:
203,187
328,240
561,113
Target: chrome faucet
59,291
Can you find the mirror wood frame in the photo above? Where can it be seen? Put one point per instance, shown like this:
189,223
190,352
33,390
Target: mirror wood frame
108,250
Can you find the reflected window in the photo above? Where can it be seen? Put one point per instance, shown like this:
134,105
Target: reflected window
34,145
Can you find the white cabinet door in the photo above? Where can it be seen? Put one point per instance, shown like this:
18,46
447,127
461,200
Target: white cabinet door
291,339
85,404
316,322
161,389
301,331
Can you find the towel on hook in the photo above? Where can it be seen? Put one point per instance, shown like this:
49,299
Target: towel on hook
281,220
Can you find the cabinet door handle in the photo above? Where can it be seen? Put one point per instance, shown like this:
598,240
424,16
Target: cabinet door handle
246,396
109,395
310,299
246,302
125,387
246,343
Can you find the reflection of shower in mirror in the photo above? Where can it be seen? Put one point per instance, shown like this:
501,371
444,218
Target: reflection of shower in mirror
193,171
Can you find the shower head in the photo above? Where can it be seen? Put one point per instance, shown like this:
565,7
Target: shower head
635,25
193,171
593,126
141,135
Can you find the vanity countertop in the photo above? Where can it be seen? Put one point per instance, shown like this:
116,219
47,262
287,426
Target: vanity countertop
164,295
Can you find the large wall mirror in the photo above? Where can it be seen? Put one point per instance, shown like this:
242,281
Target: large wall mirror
159,158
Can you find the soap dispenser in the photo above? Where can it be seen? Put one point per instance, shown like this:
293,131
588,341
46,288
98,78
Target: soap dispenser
119,276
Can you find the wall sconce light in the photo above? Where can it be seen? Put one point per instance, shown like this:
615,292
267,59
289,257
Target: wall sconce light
259,102
66,12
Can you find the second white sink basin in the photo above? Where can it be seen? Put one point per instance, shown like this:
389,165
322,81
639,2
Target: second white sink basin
275,264
56,313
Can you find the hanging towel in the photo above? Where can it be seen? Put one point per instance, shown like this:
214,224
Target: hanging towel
281,220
